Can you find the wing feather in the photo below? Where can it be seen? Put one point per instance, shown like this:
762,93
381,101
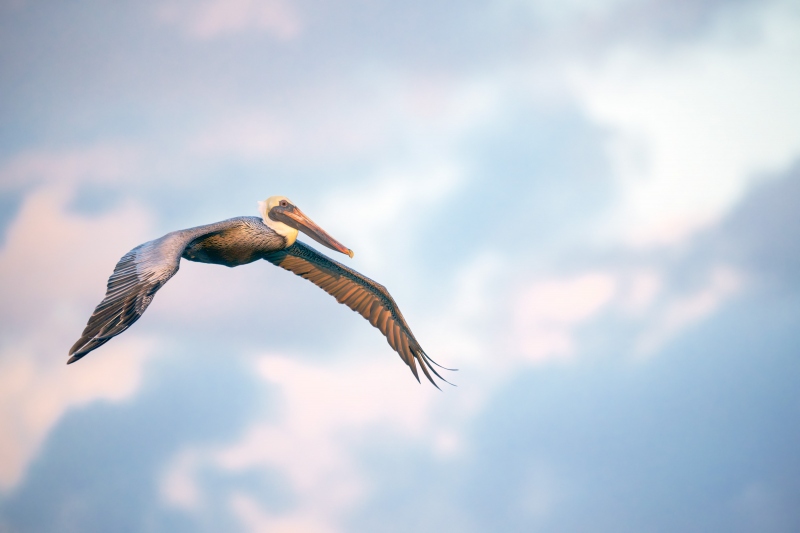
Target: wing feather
133,284
385,315
375,312
130,290
391,337
345,294
364,296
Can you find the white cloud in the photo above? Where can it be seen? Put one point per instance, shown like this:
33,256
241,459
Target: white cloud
53,268
178,486
107,163
548,311
456,331
252,135
682,311
640,290
407,120
326,407
34,395
256,520
214,18
691,126
47,245
387,212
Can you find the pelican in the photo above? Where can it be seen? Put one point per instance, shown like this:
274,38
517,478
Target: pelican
238,241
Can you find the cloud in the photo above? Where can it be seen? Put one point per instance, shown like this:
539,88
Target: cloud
389,211
762,235
98,467
326,409
34,396
256,520
47,244
548,311
642,287
53,268
215,18
693,125
683,311
100,163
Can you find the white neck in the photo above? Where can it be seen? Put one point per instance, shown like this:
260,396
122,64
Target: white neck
287,232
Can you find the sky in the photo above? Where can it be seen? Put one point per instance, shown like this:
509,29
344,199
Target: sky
588,208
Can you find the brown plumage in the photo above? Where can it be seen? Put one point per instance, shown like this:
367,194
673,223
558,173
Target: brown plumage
364,296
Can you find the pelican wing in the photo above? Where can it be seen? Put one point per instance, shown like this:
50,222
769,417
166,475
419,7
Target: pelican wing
142,271
135,281
371,300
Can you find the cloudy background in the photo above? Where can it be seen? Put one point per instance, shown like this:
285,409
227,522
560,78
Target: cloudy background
591,209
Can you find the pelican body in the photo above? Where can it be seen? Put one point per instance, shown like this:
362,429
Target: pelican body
239,241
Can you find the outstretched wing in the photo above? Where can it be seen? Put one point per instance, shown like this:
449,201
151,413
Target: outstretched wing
135,281
371,300
145,269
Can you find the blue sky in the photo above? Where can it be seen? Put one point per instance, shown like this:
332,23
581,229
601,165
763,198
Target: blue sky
590,210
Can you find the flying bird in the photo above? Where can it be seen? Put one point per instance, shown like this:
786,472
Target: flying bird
238,241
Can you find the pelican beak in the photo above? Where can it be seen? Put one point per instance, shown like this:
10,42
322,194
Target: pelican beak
301,222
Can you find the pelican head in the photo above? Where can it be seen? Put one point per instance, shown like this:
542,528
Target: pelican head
280,214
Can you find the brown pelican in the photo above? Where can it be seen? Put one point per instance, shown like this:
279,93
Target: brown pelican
238,241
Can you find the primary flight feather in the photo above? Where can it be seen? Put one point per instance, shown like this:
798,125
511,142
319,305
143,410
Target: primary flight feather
238,241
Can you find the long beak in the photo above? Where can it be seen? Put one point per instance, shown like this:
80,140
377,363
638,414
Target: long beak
307,226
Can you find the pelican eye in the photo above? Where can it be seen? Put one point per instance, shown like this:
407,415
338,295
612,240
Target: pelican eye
284,203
